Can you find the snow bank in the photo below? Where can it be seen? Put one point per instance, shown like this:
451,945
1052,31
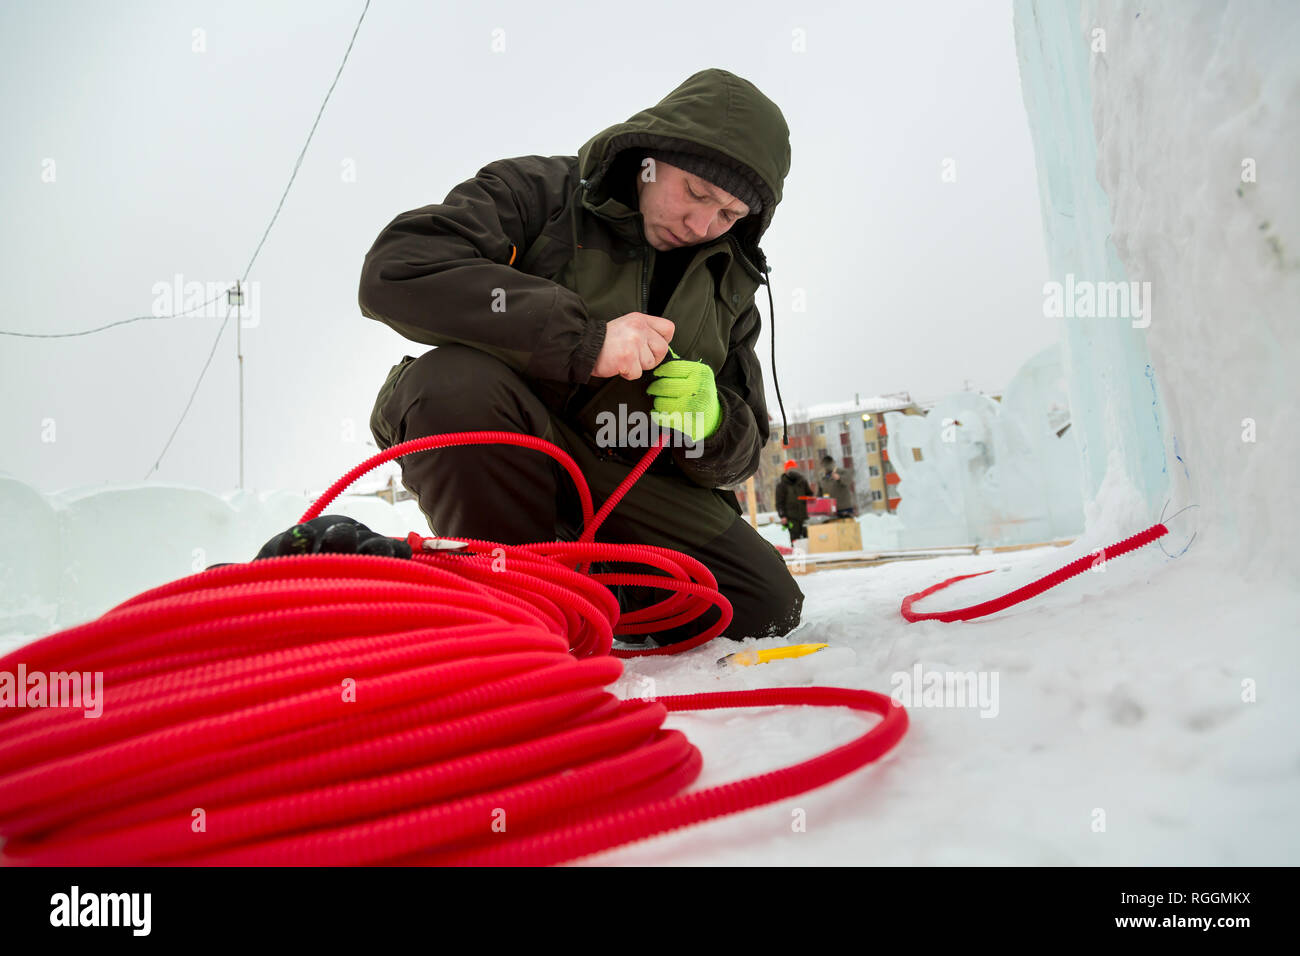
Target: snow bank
69,556
1198,144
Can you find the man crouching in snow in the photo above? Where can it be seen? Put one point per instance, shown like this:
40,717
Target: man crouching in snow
591,300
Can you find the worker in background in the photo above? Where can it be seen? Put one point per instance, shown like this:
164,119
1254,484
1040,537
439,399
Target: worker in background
837,483
791,489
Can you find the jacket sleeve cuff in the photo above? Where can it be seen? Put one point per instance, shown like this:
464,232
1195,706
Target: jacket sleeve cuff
727,456
569,341
589,346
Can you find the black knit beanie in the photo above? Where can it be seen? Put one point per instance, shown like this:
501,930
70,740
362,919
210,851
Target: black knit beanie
722,177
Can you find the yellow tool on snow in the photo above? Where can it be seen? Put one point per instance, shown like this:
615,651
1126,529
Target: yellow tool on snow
750,658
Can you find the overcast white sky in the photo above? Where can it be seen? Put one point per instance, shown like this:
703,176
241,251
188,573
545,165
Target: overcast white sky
169,161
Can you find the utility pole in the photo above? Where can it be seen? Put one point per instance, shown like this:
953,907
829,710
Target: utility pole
235,298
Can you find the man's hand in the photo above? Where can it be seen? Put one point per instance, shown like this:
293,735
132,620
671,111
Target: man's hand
686,398
633,343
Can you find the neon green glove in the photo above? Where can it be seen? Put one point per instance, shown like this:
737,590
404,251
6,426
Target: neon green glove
686,398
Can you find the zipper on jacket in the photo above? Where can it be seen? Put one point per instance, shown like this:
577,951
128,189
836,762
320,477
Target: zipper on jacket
645,253
740,250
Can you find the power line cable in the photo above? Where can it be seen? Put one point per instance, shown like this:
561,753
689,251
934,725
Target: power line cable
193,392
136,318
248,268
267,232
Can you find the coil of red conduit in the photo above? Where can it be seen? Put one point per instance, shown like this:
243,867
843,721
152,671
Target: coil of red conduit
343,709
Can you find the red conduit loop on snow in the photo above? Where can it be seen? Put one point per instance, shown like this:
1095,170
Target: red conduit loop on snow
335,709
692,583
1031,589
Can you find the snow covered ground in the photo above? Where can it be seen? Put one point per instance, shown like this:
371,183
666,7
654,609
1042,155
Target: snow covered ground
1120,691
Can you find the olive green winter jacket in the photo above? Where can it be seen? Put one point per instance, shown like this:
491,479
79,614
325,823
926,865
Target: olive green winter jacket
493,267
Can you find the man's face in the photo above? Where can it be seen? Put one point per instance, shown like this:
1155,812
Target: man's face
682,209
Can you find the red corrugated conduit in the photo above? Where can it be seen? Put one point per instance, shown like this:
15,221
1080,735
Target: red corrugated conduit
343,709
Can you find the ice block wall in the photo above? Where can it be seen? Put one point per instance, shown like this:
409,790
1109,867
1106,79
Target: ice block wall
1166,139
69,556
975,470
1114,391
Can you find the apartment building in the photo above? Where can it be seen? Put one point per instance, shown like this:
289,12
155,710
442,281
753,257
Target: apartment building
853,433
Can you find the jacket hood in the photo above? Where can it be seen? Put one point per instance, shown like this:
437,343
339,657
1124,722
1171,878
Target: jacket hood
715,114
